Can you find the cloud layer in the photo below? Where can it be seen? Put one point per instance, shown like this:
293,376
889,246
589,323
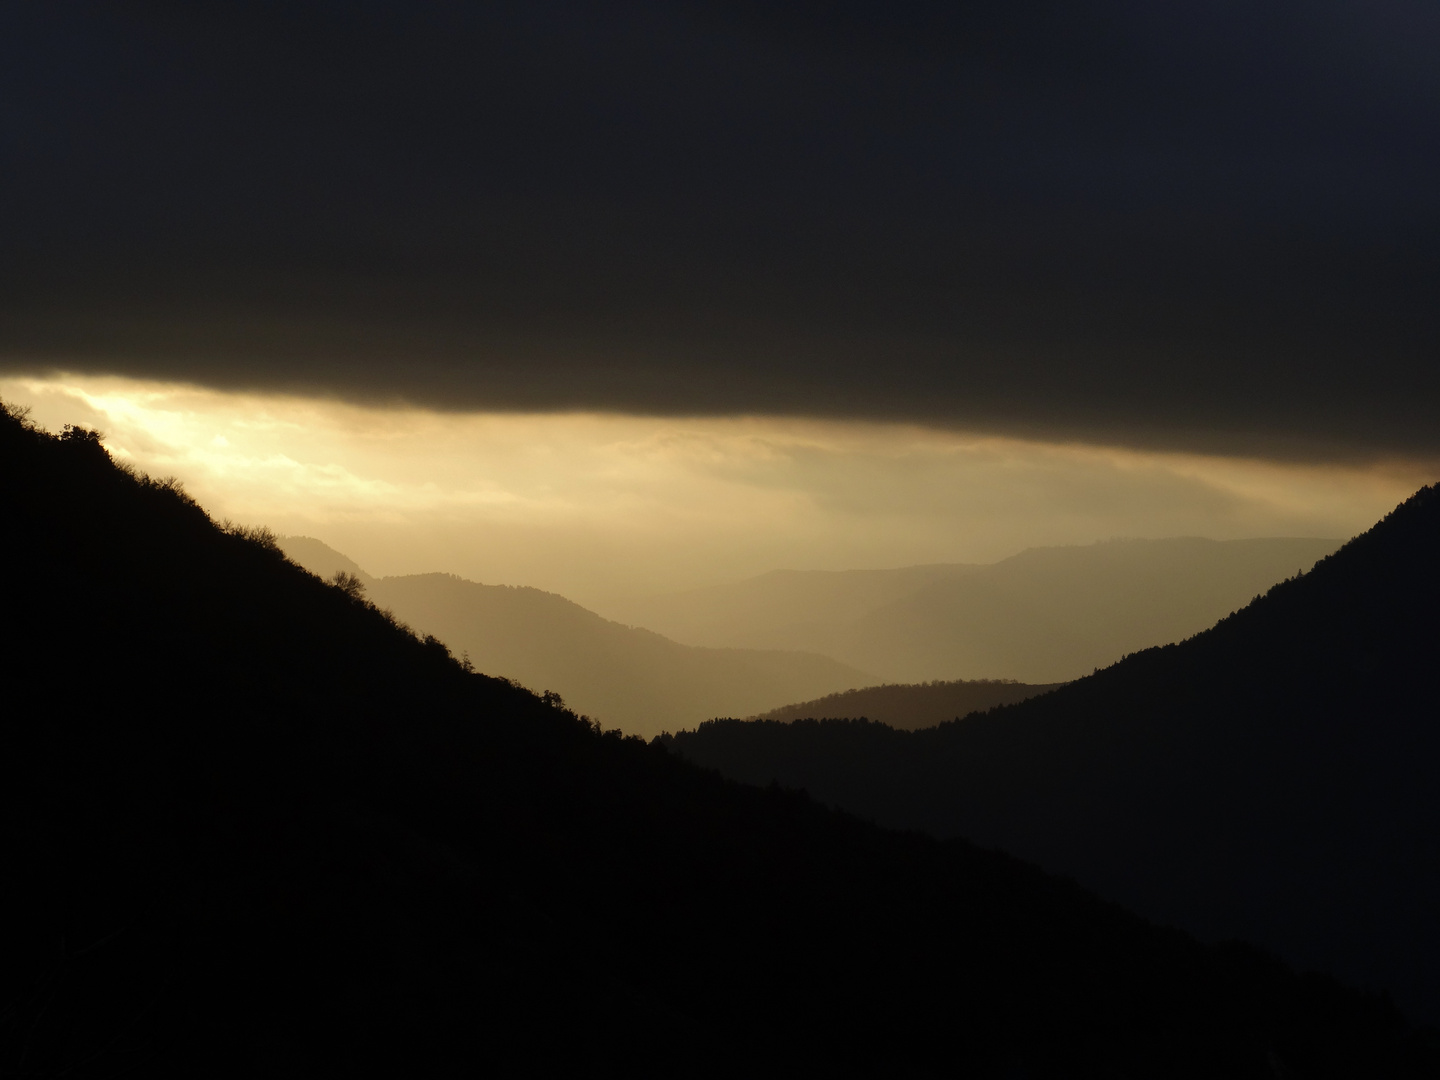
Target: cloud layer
1184,225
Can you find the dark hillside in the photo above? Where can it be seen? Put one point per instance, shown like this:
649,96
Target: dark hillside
1273,778
252,827
910,706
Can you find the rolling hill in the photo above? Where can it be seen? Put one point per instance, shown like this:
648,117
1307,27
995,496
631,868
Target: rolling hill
624,676
910,707
1045,615
251,826
1271,778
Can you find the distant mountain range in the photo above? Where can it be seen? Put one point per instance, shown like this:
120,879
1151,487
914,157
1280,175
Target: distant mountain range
624,676
1272,778
250,826
911,707
1042,617
1045,615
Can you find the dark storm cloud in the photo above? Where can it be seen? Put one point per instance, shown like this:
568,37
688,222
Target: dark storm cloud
1203,224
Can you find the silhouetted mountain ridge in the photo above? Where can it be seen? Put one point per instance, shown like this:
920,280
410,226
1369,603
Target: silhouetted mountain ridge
908,707
1044,615
624,676
1270,778
253,826
321,559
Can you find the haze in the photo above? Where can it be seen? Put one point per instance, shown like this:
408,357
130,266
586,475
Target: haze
601,507
616,300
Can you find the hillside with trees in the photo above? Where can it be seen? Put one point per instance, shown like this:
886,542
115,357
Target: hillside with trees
1045,615
909,707
624,676
1272,778
253,826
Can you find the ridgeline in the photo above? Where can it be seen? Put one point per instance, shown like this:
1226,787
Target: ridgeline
912,706
253,826
1271,779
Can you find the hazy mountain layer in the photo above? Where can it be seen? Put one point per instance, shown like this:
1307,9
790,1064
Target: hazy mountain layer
776,609
626,677
252,827
1045,615
911,707
1272,778
320,558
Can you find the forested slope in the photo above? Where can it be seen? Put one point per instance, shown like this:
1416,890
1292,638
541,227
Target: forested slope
251,826
1044,615
1272,778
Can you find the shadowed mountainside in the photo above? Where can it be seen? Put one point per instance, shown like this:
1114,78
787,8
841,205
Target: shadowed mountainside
622,675
1045,615
911,707
1272,778
252,826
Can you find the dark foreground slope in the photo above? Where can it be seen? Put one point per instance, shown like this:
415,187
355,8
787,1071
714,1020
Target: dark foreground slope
251,827
910,706
1273,778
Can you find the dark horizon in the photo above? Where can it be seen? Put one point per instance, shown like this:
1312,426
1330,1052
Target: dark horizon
1197,228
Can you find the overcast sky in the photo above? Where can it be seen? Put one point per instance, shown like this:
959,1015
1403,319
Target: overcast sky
1206,227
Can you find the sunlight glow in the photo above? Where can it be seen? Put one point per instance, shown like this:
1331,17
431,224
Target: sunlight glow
597,506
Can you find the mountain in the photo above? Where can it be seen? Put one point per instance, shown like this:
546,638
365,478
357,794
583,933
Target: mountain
782,607
910,707
252,826
622,675
320,558
1044,615
1272,778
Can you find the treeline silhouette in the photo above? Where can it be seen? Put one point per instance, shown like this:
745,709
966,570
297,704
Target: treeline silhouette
910,706
1272,778
254,826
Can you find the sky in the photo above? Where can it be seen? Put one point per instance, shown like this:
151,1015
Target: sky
605,297
601,507
1205,226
